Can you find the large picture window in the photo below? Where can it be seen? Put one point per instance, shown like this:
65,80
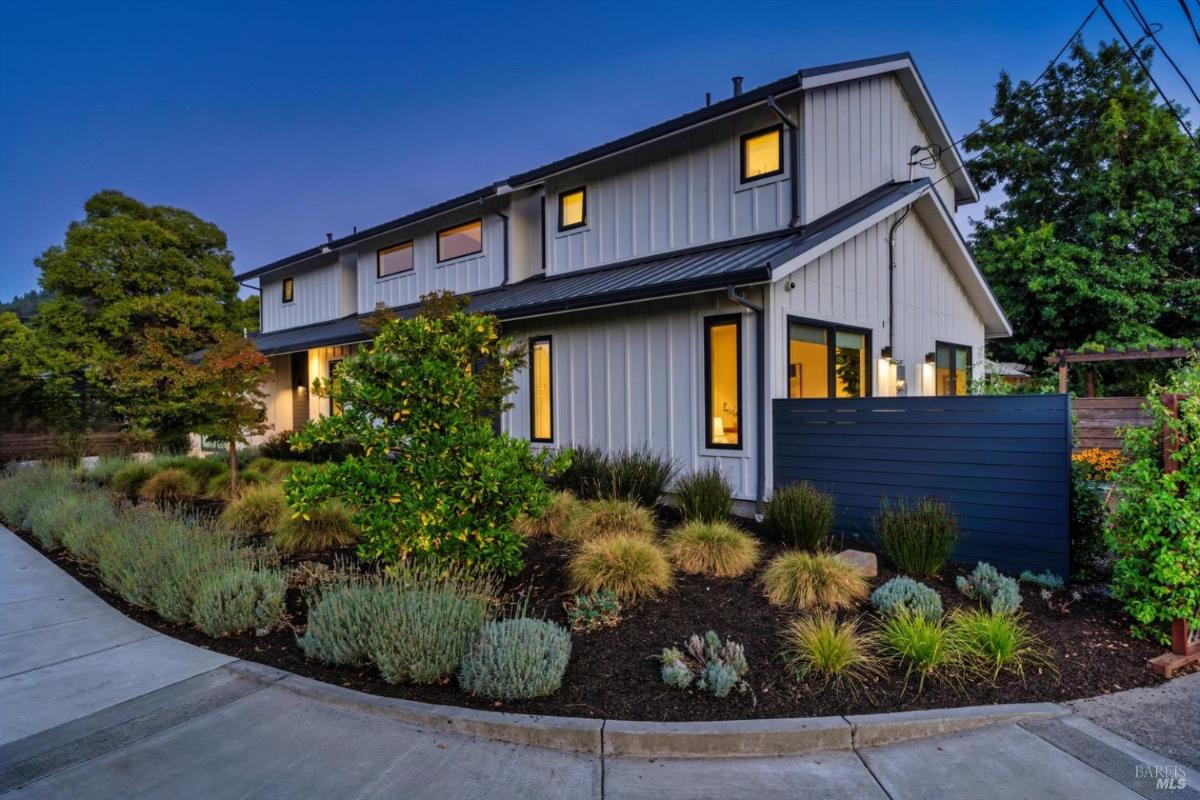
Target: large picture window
723,381
394,260
459,241
827,361
952,369
541,390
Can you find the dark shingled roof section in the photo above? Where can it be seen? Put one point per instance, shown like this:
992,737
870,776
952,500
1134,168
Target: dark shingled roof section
741,262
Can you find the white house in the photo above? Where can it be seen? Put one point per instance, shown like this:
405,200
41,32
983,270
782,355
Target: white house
793,240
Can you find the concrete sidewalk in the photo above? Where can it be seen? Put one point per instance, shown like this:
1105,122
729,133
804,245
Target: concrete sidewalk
93,705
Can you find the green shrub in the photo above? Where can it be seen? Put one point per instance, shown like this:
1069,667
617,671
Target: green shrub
799,516
277,446
586,474
425,620
704,496
923,646
204,469
514,659
268,469
904,594
105,468
595,519
1155,531
321,528
819,645
19,488
1089,516
1046,580
799,579
589,612
638,476
339,622
713,548
554,519
998,641
80,535
132,554
986,584
717,667
218,486
172,485
259,511
129,479
239,598
189,557
628,565
51,511
917,539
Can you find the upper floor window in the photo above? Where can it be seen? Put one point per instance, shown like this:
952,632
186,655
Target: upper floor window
394,260
459,241
723,381
952,369
572,209
762,153
289,290
827,361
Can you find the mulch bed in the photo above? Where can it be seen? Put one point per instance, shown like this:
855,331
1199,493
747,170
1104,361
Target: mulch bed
613,672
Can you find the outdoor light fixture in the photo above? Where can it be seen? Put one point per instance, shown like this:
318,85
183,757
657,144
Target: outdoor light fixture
886,353
930,357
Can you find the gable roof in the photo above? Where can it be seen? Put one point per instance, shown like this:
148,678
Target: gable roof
901,64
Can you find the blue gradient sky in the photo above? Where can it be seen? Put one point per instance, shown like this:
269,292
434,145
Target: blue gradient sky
281,121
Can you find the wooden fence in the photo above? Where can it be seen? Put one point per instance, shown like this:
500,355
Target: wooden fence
1100,418
28,446
1002,465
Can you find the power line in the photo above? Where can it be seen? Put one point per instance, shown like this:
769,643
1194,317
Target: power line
1187,12
1145,25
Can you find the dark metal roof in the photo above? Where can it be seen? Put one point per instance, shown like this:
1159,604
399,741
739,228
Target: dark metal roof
741,262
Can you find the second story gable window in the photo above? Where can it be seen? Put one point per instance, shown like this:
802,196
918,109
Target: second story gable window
459,241
572,209
762,153
394,260
289,290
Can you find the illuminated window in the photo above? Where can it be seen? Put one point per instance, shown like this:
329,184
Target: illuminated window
816,370
952,370
394,260
459,241
572,209
541,390
762,153
723,381
289,290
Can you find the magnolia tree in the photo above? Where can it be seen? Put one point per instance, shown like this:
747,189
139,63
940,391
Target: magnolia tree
429,478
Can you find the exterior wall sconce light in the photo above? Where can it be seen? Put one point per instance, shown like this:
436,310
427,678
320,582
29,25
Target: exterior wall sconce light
886,353
930,357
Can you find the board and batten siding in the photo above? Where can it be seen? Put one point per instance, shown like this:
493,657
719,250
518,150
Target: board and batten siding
849,285
472,273
630,377
857,136
321,293
683,192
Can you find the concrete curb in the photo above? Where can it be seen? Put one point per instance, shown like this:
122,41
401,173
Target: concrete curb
760,737
872,730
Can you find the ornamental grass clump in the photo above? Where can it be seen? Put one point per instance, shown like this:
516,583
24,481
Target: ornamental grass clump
239,598
268,469
639,476
918,538
172,485
340,619
219,486
129,479
513,659
425,619
596,519
924,647
258,511
798,579
325,527
204,469
1000,592
106,467
630,566
712,548
904,594
553,519
705,495
799,516
586,473
998,642
820,646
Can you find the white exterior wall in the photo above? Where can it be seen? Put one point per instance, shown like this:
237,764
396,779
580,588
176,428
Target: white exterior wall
683,192
633,376
320,293
857,136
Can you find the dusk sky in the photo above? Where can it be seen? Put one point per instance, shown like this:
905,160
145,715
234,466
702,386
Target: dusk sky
281,121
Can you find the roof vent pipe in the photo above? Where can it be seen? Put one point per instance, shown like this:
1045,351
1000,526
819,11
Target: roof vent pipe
329,238
737,85
708,99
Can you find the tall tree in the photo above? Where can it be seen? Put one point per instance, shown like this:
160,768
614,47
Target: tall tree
129,273
1097,240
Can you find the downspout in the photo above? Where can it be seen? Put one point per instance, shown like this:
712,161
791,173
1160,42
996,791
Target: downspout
503,216
760,390
892,280
794,168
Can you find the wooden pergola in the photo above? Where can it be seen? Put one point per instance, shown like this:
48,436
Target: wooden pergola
1064,359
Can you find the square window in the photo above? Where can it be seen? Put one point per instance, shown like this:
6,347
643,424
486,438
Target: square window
762,153
572,209
459,241
827,361
289,290
394,260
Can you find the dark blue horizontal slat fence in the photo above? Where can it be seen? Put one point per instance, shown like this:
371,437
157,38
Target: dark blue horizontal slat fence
1002,464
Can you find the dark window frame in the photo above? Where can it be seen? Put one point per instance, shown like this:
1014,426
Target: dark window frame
379,260
954,347
742,153
583,219
831,329
437,243
533,342
288,290
710,322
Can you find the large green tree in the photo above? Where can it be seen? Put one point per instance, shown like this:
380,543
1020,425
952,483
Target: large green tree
1097,240
127,275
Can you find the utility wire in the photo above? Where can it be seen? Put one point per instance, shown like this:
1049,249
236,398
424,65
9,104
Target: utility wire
1187,12
1145,25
